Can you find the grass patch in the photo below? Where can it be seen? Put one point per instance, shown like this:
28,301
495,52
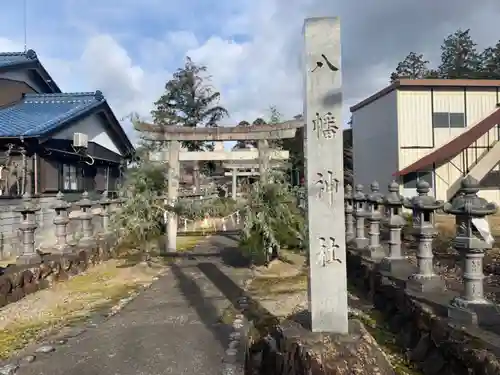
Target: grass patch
265,286
73,301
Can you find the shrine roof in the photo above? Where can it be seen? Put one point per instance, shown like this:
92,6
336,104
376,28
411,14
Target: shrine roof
12,61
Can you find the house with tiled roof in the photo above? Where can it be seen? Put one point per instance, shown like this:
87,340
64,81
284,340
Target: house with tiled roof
52,141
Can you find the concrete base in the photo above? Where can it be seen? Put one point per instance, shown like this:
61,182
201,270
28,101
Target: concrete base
468,313
28,259
360,243
399,266
375,253
427,285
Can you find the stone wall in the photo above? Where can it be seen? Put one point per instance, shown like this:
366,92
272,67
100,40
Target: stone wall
447,320
44,235
291,349
431,340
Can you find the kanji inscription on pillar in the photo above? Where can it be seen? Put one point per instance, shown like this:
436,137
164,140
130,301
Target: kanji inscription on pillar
328,186
325,125
323,145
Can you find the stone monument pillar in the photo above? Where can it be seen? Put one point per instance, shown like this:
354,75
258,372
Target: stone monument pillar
323,147
472,239
423,207
27,227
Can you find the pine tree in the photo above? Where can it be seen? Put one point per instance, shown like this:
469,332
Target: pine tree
189,101
459,56
490,59
413,67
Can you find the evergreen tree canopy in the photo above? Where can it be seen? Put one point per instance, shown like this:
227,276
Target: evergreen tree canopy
189,101
414,66
459,59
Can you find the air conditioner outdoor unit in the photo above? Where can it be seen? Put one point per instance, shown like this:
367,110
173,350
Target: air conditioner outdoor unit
80,140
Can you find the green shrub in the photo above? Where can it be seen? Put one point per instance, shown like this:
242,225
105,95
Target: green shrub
271,219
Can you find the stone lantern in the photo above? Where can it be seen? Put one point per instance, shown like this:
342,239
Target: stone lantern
27,227
374,201
472,239
105,204
360,213
423,207
349,210
393,203
85,217
61,221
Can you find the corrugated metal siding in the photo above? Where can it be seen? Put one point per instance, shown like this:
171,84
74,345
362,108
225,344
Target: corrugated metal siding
415,130
479,104
447,101
375,141
414,119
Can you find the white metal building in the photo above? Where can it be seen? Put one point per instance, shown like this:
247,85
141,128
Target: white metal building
433,129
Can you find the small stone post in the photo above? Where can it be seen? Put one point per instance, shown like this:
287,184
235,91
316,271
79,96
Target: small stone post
393,202
28,226
88,240
375,200
61,221
360,213
423,206
349,210
472,239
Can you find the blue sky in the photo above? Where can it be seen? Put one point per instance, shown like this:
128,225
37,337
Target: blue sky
129,48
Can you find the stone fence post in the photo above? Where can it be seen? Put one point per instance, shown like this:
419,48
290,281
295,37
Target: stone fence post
423,207
27,227
472,239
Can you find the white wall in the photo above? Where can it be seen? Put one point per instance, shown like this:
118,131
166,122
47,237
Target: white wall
94,127
375,142
415,129
22,76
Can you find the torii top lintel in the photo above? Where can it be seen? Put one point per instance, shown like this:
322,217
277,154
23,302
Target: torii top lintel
281,130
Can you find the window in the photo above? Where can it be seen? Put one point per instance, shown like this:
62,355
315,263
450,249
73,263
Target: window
70,177
448,120
411,179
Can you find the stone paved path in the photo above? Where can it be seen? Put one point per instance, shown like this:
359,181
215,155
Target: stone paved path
172,328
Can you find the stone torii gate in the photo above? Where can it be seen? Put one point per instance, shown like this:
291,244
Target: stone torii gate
324,170
173,135
236,167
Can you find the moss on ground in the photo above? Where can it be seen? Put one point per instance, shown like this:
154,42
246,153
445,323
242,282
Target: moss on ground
71,302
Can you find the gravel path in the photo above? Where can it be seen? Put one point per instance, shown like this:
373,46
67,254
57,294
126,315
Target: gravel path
172,328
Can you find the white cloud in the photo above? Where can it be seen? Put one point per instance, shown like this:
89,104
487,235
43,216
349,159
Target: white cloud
252,48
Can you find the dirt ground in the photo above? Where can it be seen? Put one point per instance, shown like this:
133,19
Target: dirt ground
108,285
281,289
